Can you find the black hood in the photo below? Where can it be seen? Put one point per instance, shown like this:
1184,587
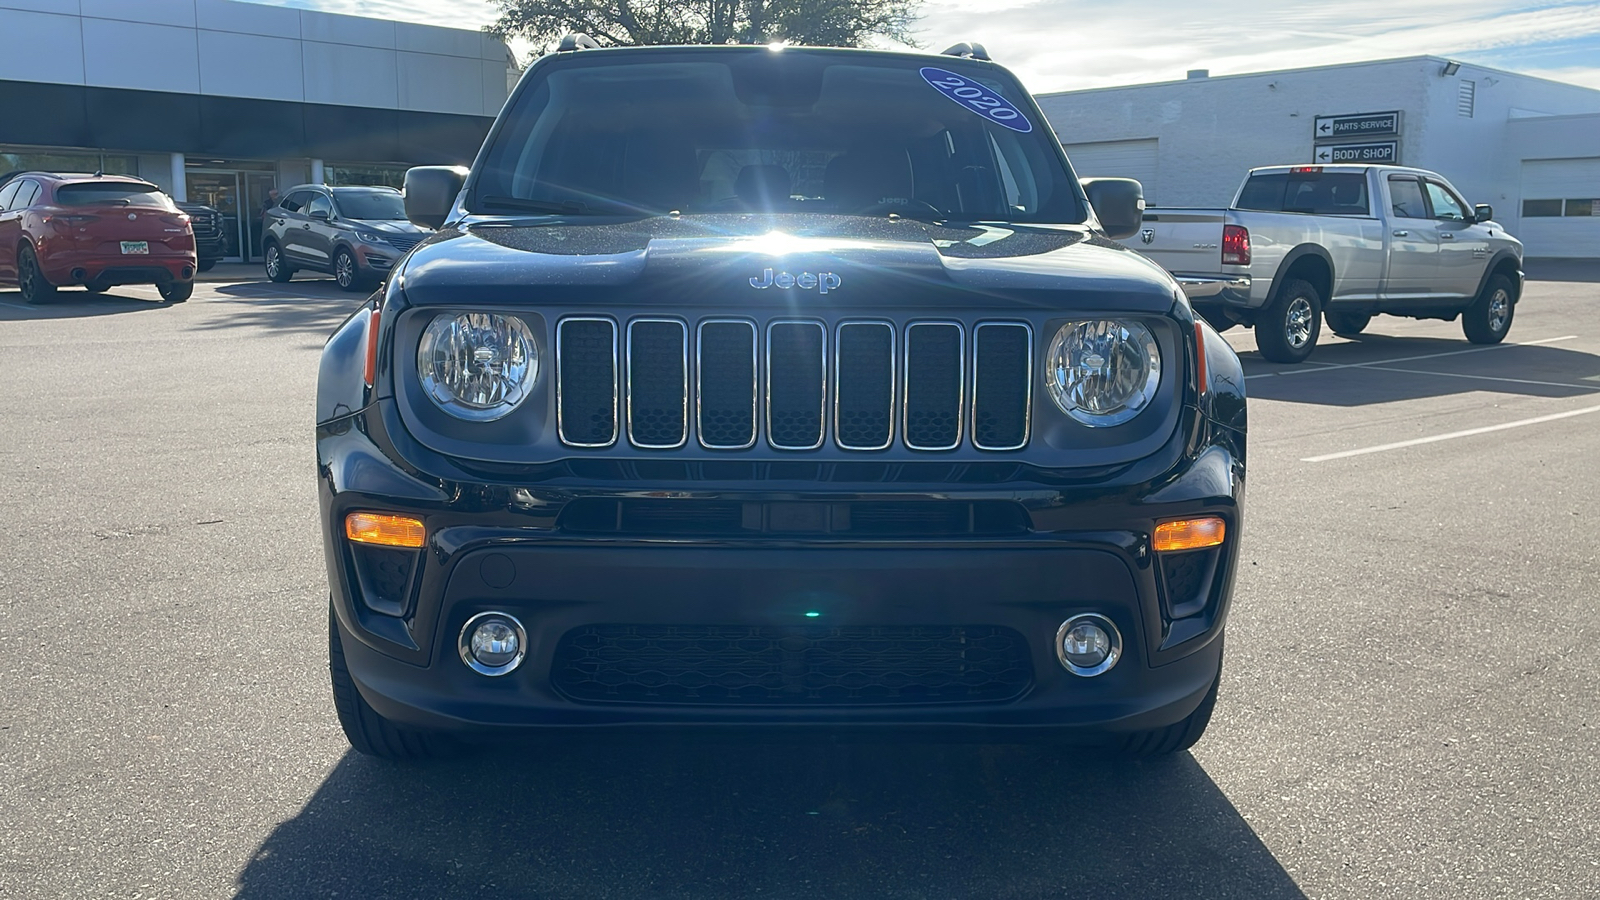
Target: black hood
827,261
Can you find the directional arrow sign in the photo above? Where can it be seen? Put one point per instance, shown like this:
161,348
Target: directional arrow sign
1372,153
1356,125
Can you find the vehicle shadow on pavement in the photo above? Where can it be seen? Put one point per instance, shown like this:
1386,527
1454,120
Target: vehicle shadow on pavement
654,817
74,304
301,306
1372,369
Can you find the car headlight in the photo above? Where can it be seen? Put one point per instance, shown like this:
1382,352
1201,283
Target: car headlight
477,366
369,237
1104,371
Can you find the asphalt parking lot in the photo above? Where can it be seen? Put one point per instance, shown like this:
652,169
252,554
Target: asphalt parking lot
1410,708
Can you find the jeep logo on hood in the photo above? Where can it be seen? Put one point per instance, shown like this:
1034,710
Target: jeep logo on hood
821,282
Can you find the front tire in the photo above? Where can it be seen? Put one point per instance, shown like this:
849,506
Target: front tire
346,272
1347,324
30,278
278,268
1488,319
1287,330
368,732
176,291
1174,738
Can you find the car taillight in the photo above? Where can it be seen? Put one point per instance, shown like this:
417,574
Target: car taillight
64,223
179,219
1235,245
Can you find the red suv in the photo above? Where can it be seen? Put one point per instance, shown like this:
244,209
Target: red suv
94,230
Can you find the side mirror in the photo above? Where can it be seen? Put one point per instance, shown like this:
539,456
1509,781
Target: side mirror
431,191
1483,212
319,214
1118,204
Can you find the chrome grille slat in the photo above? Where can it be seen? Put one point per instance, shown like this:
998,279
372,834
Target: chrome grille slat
658,383
797,383
1002,385
863,385
725,384
586,381
934,380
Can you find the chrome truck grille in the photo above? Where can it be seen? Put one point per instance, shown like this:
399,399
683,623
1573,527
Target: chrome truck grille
728,383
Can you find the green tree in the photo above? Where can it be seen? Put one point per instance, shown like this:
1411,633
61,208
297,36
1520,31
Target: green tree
618,23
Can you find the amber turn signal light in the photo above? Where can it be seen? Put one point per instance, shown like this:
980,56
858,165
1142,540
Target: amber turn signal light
390,531
1189,534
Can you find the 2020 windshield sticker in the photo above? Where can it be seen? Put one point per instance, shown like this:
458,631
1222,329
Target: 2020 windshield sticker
977,98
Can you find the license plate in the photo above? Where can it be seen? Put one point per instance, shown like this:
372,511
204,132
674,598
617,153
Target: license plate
135,247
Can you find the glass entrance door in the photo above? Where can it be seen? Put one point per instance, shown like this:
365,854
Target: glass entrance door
256,186
220,191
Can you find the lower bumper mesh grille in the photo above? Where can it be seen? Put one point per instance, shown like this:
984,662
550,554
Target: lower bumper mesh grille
799,666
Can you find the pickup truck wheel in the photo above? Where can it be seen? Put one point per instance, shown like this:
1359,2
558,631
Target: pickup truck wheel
1488,319
1287,330
206,265
369,733
1176,737
1347,324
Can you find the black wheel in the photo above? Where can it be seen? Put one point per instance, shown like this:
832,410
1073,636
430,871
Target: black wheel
176,291
368,732
1286,331
207,265
1174,738
35,287
1488,319
278,268
346,272
1347,324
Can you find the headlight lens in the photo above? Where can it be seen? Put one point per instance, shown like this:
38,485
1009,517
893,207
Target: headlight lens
369,237
477,366
1102,372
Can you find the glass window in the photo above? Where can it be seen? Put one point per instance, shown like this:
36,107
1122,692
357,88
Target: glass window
374,205
1582,207
369,176
1446,206
27,193
295,202
319,203
1532,209
112,193
1311,191
714,131
7,194
1405,198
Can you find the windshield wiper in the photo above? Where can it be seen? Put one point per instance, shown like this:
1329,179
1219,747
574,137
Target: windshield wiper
573,207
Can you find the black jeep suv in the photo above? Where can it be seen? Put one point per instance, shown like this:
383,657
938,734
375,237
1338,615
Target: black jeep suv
777,387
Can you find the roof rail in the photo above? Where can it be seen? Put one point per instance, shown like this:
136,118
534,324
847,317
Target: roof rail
576,42
974,50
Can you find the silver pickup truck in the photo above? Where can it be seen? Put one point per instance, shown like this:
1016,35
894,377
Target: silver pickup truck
1345,243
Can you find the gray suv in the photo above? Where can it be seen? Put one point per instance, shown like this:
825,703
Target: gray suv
355,234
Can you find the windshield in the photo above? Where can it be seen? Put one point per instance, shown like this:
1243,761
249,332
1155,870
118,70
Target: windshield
379,205
785,131
112,193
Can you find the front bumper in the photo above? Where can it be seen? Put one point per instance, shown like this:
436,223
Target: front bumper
504,547
1216,291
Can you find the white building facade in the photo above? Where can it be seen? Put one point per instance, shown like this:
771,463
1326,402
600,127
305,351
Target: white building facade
1528,146
219,101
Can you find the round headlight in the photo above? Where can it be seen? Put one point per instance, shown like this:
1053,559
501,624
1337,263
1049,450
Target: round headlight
1104,371
477,366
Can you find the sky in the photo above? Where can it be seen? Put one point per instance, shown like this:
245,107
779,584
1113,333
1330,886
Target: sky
1060,45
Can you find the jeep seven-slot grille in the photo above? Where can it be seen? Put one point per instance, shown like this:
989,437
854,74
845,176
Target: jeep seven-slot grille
791,666
795,379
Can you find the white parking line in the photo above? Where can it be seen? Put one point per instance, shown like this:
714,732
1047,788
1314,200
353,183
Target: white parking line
1565,384
1398,445
1385,362
18,306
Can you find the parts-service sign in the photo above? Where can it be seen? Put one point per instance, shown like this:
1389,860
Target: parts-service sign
977,98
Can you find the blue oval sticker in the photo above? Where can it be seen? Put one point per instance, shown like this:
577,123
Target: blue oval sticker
977,98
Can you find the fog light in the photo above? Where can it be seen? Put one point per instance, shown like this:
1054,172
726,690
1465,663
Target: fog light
493,643
1088,645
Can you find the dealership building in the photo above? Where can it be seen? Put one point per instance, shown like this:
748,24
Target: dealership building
218,101
1527,146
